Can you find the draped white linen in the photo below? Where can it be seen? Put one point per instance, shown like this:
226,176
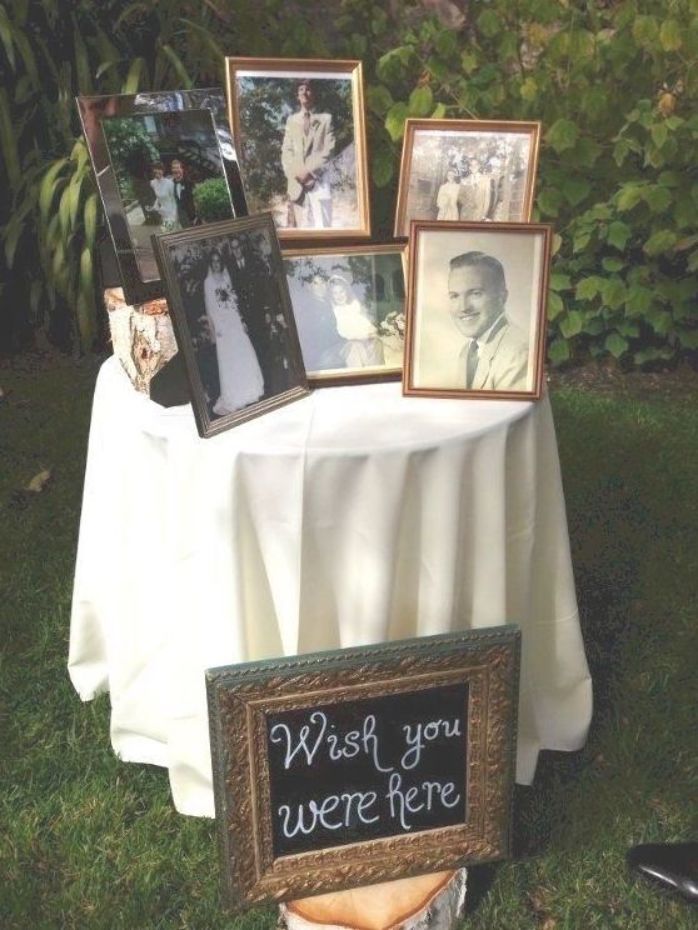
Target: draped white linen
352,516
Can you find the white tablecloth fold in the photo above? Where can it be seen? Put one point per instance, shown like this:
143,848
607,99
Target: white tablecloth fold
352,516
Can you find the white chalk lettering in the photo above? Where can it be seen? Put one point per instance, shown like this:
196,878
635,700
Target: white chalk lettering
364,800
349,807
352,747
417,734
406,802
316,736
446,790
300,827
303,738
335,754
370,739
412,755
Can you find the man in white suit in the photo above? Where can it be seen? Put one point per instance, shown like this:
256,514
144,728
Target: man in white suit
495,355
307,147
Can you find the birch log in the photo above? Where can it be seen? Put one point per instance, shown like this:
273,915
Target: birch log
141,335
425,902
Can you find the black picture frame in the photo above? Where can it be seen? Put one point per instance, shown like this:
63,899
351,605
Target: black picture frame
221,308
265,769
91,110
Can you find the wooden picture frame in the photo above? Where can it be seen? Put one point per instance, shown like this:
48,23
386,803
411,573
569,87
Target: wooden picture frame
313,177
467,171
347,743
349,306
132,246
232,319
477,309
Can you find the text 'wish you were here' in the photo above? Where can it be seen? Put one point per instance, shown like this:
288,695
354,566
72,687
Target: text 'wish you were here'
370,768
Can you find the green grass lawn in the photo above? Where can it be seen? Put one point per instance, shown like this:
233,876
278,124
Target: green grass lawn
89,842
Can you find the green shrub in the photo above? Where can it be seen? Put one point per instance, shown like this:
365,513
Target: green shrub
614,84
212,200
51,50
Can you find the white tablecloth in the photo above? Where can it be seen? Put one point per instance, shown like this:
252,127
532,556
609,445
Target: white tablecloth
352,516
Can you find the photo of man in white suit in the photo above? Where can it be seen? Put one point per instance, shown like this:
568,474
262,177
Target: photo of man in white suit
307,147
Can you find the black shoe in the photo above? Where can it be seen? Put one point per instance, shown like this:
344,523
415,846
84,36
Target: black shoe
674,866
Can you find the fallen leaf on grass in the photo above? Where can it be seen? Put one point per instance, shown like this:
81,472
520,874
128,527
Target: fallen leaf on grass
39,481
539,901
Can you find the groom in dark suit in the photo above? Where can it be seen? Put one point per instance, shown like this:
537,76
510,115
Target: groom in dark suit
258,302
184,195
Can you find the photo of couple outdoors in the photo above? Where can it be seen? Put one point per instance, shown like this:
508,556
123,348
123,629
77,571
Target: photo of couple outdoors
236,325
467,176
349,310
297,145
170,175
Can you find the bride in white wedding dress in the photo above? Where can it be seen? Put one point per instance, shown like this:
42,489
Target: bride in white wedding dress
241,381
165,201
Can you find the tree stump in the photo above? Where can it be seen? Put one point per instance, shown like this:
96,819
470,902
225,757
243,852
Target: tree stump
142,336
424,902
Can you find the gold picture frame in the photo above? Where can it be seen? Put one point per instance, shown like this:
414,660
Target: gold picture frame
467,171
310,172
361,339
257,709
476,309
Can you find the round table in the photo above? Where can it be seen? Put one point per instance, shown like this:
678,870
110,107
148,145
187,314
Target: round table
354,515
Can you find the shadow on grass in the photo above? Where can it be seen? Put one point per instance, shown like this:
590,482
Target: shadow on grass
622,463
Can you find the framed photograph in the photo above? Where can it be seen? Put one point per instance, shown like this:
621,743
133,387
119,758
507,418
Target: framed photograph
476,309
162,161
300,131
466,170
349,306
232,317
354,767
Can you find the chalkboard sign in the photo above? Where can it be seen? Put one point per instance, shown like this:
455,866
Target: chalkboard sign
363,765
349,772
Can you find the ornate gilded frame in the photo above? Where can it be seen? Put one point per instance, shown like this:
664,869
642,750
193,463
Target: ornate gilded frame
458,127
295,69
332,377
240,697
472,236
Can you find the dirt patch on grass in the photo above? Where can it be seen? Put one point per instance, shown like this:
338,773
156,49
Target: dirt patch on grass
680,384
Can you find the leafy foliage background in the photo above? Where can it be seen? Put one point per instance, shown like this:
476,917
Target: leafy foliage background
614,83
266,104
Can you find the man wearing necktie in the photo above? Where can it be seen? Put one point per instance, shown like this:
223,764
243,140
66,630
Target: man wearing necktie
184,195
495,355
307,147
